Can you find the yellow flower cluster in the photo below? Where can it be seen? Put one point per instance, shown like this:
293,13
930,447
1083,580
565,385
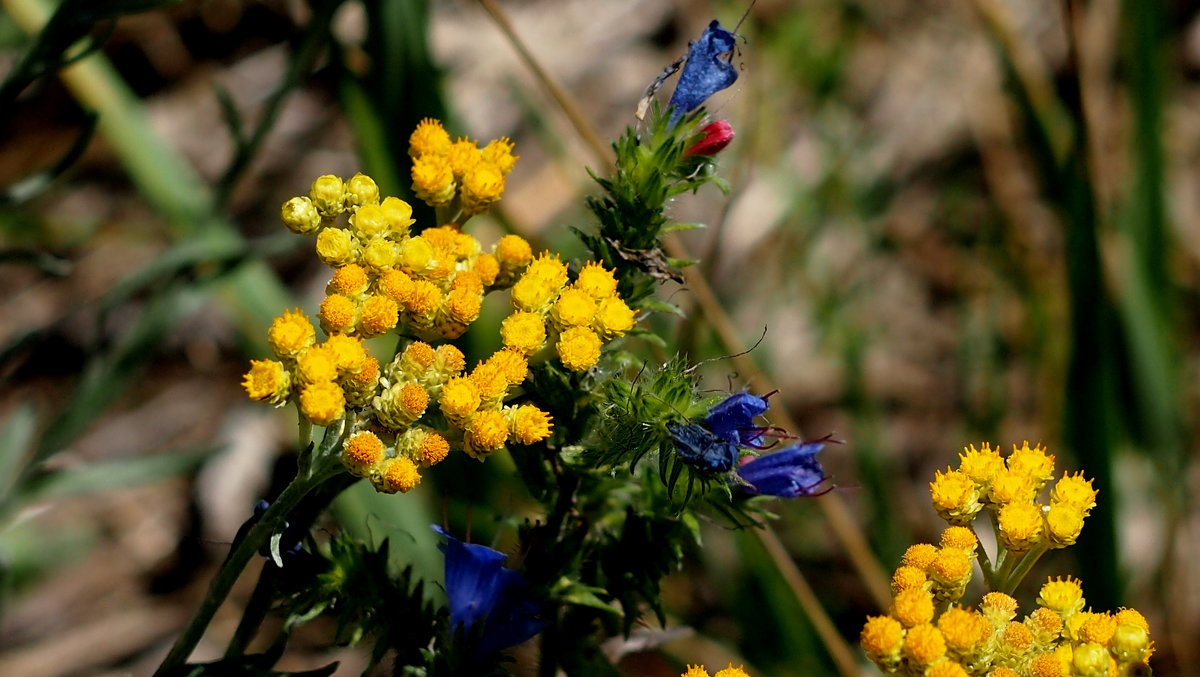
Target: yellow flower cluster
1009,488
1058,639
444,171
730,671
927,633
579,316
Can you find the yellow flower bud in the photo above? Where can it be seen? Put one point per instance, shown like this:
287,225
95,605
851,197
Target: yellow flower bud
337,247
322,403
955,496
300,216
924,645
1020,526
912,607
327,194
433,180
498,152
482,187
370,221
361,191
399,216
290,333
429,138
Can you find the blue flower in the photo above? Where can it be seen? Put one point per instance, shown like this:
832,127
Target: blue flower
701,449
733,419
790,472
482,590
705,72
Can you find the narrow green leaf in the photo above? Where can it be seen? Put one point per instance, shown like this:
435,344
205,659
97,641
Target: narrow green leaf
16,437
108,475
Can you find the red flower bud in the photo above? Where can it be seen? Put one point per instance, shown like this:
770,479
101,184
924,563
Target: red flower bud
717,135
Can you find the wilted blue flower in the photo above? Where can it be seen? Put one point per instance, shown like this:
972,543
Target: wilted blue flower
705,72
481,589
733,419
290,541
700,448
790,472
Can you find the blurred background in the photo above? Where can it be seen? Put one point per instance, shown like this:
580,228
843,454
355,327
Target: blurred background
950,223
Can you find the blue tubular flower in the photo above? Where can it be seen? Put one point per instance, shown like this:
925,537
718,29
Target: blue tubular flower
701,449
481,589
705,72
790,472
733,419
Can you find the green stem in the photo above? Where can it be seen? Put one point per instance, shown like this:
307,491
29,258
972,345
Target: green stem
1014,577
236,561
254,613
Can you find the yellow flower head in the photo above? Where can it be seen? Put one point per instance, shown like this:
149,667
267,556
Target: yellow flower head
528,424
998,608
1032,462
924,644
908,578
336,247
399,216
467,280
533,294
512,251
955,496
459,399
549,270
613,318
920,555
326,193
573,308
881,636
267,381
370,222
912,607
498,152
965,631
416,359
1020,526
482,187
317,363
491,383
361,452
1045,624
359,387
523,332
396,285
1133,617
951,568
1009,486
512,364
730,671
291,333
463,305
449,361
1090,660
960,538
433,180
377,316
361,191
486,432
1015,639
695,671
463,156
424,299
981,464
487,267
1062,596
578,348
396,475
429,138
1064,523
322,403
300,216
432,448
1047,664
349,280
1131,644
1074,490
416,255
596,280
380,254
338,314
1097,628
1002,671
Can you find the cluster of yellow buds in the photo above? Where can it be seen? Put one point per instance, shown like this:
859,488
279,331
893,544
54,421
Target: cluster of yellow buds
448,173
410,413
1009,488
1058,639
582,315
928,633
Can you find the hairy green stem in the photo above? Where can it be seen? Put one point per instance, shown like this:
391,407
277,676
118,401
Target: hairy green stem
1018,572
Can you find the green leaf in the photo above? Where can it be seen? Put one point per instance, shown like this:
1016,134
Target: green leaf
16,437
575,592
661,307
107,475
680,227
